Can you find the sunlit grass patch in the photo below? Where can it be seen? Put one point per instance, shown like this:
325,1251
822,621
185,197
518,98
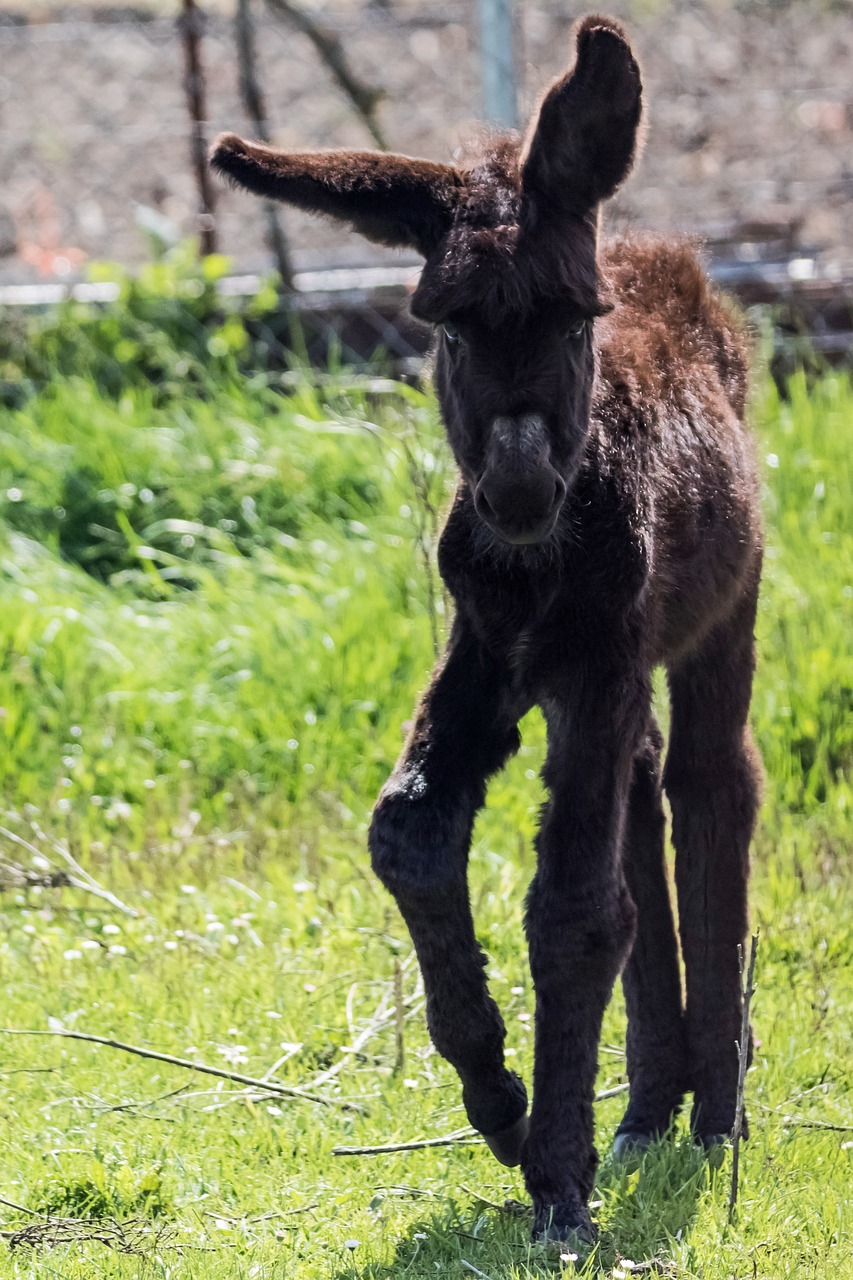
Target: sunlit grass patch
204,728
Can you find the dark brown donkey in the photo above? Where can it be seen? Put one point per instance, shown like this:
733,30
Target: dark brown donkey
605,521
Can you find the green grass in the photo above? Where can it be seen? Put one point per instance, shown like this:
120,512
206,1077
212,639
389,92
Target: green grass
215,619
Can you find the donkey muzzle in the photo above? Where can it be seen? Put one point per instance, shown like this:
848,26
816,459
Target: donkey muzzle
520,493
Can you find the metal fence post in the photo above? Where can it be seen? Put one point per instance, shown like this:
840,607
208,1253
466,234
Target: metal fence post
500,96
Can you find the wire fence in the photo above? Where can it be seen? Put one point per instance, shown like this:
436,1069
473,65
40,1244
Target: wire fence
751,126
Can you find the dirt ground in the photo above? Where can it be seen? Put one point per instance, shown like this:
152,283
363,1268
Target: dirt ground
750,116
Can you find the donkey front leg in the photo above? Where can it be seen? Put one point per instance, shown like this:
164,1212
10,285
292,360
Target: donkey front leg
580,925
419,841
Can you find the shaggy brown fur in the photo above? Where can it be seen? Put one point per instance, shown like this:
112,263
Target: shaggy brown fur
605,522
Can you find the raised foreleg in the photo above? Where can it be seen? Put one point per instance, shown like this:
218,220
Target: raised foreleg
419,840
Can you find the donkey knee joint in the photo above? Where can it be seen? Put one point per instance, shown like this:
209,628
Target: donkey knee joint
415,849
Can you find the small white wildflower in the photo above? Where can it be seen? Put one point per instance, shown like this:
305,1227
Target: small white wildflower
302,886
91,944
568,1257
118,950
233,939
235,1054
410,1084
73,954
351,1244
309,987
170,945
188,888
111,928
524,1017
30,928
516,991
273,1013
273,1110
119,809
214,926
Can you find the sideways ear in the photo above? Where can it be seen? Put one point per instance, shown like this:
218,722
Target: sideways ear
582,146
390,199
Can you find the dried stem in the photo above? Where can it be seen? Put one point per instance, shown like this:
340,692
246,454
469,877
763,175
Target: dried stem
253,103
743,1058
266,1086
363,97
75,877
191,26
399,1020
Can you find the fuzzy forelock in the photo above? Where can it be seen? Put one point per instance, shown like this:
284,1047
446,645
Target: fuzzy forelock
492,264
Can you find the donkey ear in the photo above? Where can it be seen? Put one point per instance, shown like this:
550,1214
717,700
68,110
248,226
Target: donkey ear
582,146
391,199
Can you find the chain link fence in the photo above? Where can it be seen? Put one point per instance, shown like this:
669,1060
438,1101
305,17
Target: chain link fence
750,141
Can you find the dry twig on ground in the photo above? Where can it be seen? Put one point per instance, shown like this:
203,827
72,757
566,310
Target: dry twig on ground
266,1086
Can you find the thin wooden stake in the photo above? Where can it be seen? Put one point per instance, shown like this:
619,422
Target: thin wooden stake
743,1058
253,102
399,1020
191,25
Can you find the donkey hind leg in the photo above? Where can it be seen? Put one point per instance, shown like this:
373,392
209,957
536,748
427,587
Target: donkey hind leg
419,840
712,779
656,1042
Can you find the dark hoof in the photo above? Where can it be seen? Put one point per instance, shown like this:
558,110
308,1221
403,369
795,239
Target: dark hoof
565,1227
506,1144
631,1146
711,1140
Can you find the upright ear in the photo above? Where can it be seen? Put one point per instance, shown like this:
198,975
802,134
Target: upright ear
582,145
391,199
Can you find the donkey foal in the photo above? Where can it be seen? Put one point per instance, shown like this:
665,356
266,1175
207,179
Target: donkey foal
605,521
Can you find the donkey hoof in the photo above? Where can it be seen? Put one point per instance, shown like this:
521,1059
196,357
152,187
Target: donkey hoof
506,1144
711,1141
565,1227
631,1146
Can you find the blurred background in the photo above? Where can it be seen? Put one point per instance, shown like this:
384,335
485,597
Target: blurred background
105,111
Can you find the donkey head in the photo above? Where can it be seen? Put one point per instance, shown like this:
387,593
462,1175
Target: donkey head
510,281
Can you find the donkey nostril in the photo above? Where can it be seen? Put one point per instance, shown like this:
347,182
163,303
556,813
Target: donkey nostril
482,506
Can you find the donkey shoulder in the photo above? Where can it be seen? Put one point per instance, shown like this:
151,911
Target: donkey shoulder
671,336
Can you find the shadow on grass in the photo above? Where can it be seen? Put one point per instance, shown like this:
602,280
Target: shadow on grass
640,1211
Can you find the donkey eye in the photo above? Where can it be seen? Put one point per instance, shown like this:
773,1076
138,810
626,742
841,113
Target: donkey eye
576,330
451,333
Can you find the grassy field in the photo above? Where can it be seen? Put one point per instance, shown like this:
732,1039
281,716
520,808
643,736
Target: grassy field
215,616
